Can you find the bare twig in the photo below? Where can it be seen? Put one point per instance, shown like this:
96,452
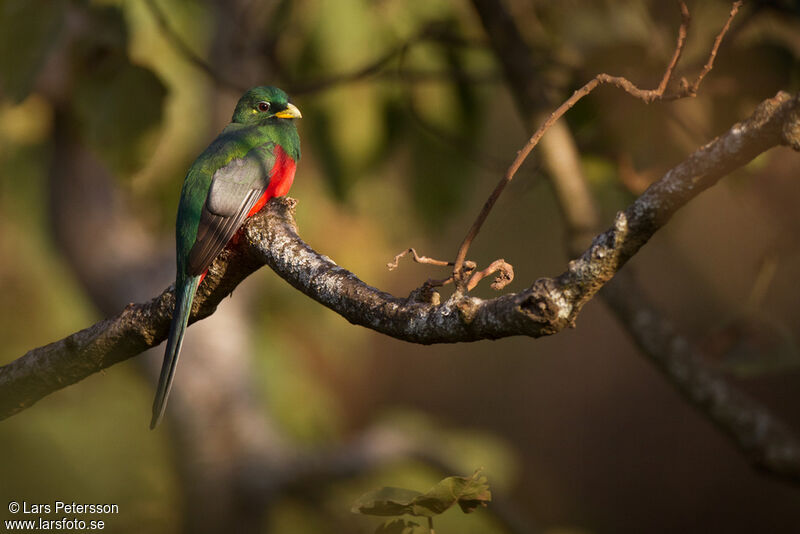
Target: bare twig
424,292
468,267
626,85
417,258
717,42
683,30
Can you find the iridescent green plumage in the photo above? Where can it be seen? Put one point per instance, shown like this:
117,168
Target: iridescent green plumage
253,158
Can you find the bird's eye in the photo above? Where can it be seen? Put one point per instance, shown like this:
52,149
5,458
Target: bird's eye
263,106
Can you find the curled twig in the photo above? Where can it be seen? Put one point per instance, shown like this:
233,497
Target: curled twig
505,275
504,270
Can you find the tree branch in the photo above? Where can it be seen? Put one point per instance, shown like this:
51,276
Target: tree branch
270,237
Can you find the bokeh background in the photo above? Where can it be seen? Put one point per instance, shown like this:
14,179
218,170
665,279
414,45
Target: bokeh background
408,123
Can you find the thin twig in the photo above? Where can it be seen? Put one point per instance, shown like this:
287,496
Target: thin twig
626,85
423,292
717,42
683,31
417,258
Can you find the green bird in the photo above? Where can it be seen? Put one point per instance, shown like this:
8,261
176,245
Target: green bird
252,160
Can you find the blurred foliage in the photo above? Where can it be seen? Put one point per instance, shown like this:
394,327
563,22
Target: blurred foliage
403,156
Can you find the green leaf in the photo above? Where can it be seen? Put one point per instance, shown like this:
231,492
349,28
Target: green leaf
401,526
28,32
469,492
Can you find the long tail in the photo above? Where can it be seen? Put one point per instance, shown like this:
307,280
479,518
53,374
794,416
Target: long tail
183,306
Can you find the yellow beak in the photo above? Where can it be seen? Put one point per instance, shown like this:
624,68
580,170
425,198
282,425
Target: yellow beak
291,112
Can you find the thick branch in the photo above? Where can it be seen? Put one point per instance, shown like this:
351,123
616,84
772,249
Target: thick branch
270,237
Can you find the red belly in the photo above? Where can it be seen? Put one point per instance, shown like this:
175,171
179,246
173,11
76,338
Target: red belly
280,179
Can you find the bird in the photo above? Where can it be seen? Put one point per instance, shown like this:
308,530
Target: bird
253,159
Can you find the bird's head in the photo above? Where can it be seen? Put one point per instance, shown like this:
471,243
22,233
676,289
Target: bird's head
264,104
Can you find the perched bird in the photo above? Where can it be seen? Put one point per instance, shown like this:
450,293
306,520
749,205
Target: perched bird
252,160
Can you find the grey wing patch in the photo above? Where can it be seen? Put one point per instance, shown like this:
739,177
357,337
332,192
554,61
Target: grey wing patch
235,189
231,185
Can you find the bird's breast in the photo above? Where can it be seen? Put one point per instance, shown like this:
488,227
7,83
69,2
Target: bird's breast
281,177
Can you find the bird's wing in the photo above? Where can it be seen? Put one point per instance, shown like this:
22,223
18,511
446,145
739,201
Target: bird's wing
235,189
